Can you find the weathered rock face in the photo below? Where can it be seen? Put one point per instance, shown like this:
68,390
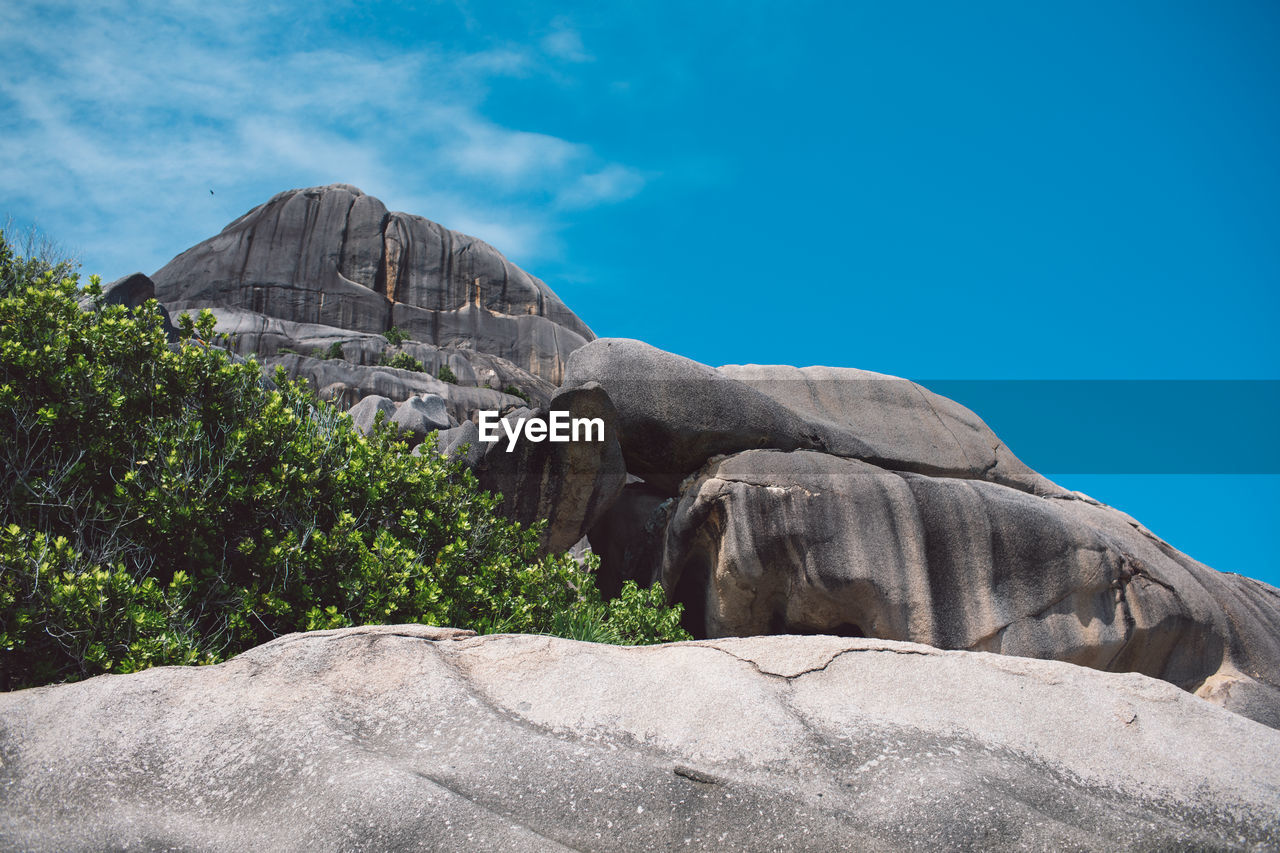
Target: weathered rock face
817,500
768,542
404,736
570,484
333,256
340,381
274,340
131,291
675,413
904,424
773,499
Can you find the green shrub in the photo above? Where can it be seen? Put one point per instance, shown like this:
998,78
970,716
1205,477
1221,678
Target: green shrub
163,505
515,392
396,336
446,374
404,361
333,351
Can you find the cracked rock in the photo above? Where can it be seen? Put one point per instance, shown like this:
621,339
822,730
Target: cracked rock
410,737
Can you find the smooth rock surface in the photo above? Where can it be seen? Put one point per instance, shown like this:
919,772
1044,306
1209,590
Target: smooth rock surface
364,413
771,542
406,737
418,416
675,414
334,256
902,422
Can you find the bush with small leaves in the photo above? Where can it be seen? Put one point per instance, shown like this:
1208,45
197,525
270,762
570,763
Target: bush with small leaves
396,336
404,361
163,504
334,350
446,374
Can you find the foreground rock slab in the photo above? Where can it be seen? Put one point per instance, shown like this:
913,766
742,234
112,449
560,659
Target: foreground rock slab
404,737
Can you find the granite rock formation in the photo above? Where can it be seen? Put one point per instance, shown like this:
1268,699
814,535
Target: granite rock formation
132,291
365,413
767,499
404,736
333,264
843,502
418,416
570,484
676,413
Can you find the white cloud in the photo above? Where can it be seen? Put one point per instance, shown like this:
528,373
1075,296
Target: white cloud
513,157
564,42
113,133
611,184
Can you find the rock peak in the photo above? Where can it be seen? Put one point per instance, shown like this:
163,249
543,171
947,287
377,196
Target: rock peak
335,256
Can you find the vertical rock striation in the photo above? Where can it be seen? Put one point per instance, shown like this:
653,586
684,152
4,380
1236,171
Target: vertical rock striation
333,256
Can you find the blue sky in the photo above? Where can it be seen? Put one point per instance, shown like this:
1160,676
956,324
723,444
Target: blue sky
988,190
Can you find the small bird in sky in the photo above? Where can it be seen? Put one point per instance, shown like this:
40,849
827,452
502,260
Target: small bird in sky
210,192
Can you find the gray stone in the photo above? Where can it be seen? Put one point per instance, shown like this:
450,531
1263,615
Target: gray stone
270,337
366,411
674,413
906,426
406,737
346,384
132,291
804,542
462,442
333,256
571,484
418,416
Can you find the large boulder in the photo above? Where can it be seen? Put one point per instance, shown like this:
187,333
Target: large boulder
772,542
570,484
365,413
780,499
904,424
398,737
132,291
674,414
466,436
336,257
418,416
